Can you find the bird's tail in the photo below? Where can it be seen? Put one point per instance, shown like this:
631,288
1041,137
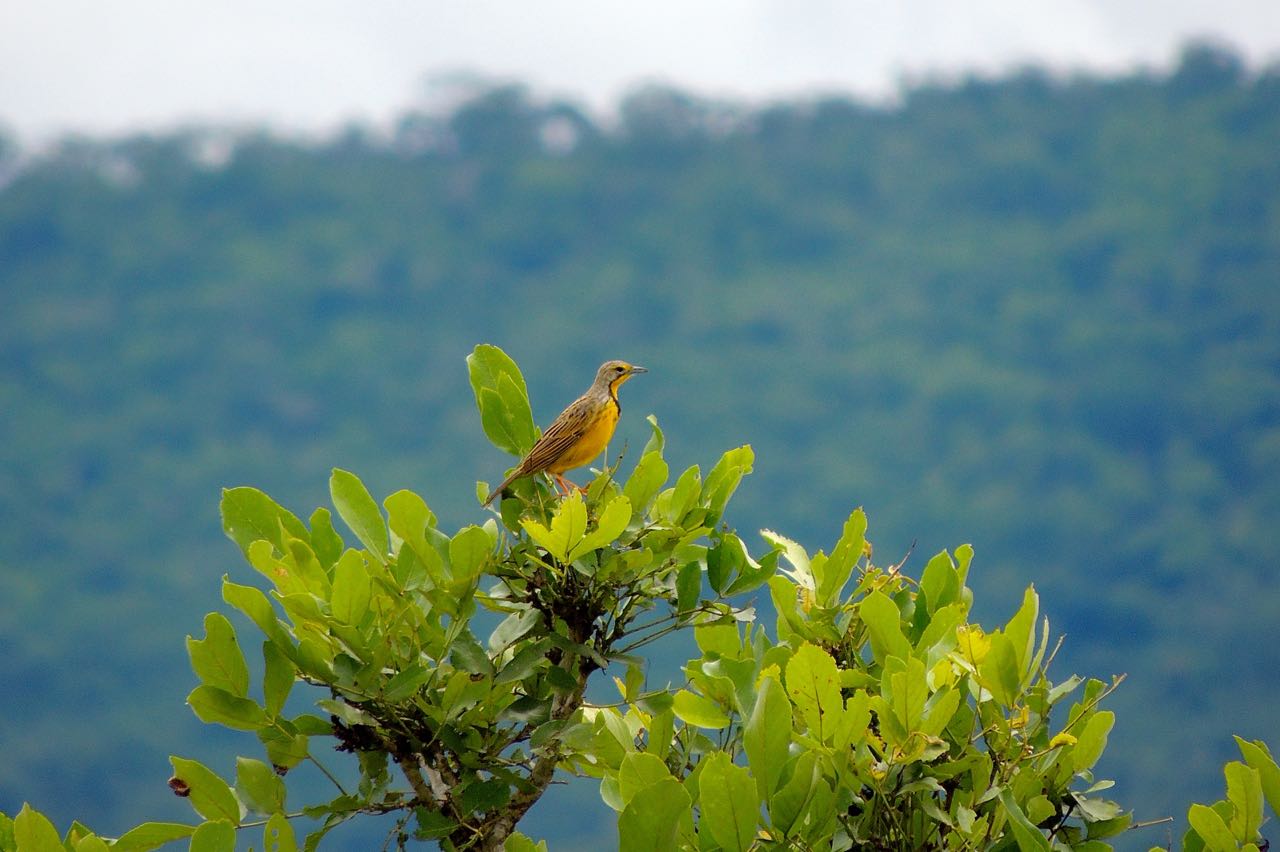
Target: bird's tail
516,474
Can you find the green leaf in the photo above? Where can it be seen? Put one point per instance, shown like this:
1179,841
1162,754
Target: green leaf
248,515
646,481
788,803
481,796
723,480
254,604
884,623
357,508
767,735
999,670
325,540
844,557
613,520
1021,629
854,722
728,803
352,588
1029,838
688,586
1212,829
1092,739
409,518
407,682
651,821
151,835
432,825
639,770
284,749
468,551
528,660
277,835
217,706
466,653
91,843
698,710
940,582
1244,792
258,786
502,399
214,836
517,842
1256,755
210,796
908,690
813,682
720,639
217,659
799,572
942,706
724,561
661,727
34,832
674,503
277,678
568,526
514,627
657,441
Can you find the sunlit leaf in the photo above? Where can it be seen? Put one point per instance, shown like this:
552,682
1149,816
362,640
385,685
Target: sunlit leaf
694,709
1211,828
728,804
34,832
813,683
724,478
357,508
258,786
652,819
766,736
502,399
1244,792
210,796
884,623
1092,739
468,551
217,659
352,588
1029,838
568,526
1256,755
151,835
612,521
277,835
249,515
637,771
214,836
646,481
214,705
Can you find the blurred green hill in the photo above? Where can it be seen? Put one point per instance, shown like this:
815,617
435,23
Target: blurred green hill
1041,315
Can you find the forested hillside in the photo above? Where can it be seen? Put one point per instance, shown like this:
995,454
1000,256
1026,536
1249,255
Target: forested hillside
1040,315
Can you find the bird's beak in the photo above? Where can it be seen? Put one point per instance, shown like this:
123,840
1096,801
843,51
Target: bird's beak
634,369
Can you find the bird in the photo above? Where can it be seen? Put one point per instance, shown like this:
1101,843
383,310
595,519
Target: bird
580,432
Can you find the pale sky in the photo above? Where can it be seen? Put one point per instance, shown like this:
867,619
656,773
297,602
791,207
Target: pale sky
110,66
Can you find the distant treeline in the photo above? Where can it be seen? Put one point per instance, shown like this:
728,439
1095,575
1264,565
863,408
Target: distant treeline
1034,313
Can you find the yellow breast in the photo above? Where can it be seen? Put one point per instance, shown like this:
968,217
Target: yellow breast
592,442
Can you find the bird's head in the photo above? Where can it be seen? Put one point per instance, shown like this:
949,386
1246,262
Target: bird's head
613,373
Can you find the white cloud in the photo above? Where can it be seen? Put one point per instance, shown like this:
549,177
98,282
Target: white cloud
311,64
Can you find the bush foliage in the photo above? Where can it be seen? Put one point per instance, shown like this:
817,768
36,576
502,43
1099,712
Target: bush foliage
873,716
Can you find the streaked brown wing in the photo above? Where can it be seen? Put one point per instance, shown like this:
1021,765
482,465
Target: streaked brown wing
560,436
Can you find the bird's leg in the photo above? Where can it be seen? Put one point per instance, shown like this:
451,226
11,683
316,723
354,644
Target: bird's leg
566,484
